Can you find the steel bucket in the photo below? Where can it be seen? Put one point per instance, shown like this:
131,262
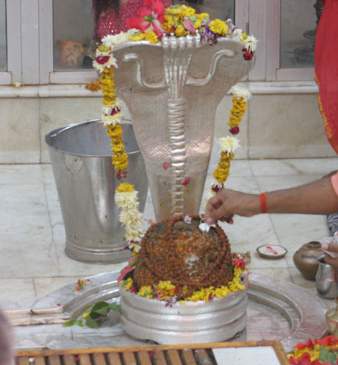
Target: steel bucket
85,181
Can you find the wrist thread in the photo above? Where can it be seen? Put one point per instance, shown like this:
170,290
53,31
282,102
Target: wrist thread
263,203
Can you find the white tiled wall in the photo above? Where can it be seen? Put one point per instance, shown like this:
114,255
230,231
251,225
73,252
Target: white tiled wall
276,126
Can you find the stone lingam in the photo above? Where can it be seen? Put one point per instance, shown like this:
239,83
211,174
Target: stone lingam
172,90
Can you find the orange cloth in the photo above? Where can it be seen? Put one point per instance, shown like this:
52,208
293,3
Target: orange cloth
326,69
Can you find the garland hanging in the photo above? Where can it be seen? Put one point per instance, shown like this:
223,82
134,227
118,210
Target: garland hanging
125,195
229,144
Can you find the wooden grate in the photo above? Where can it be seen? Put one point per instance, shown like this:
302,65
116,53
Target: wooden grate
145,355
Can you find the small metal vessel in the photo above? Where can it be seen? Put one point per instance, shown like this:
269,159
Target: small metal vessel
306,259
325,280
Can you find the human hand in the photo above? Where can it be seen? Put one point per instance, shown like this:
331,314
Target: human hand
331,253
226,203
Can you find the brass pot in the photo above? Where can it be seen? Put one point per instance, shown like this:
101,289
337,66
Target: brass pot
306,259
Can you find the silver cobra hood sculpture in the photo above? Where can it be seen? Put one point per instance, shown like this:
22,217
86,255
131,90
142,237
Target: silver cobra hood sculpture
172,90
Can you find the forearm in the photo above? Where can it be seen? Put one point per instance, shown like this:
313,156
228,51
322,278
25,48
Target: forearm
317,197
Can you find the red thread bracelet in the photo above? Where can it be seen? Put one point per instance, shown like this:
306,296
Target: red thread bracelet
263,202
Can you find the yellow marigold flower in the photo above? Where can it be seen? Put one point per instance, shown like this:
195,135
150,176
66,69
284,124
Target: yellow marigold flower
125,188
128,283
238,272
180,31
197,23
103,48
219,27
169,23
244,36
137,37
221,172
196,296
145,291
221,292
165,289
151,37
118,147
115,131
120,163
203,16
165,285
187,10
174,10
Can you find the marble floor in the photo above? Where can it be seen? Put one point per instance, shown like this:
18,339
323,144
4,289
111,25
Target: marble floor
33,263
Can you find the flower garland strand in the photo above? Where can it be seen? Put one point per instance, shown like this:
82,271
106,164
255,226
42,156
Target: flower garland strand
230,144
125,195
166,290
130,216
240,97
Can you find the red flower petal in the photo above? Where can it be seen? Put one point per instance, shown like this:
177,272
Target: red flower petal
123,273
166,165
247,54
234,130
145,12
186,181
158,7
132,22
102,59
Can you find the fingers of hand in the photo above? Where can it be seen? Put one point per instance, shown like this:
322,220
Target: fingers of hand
229,219
333,247
332,261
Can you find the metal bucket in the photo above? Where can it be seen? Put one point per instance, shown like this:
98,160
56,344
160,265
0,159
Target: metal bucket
85,180
189,322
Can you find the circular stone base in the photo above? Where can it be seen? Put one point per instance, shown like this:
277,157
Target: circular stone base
189,322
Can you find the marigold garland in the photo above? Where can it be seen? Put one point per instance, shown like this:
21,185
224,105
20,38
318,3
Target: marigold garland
165,290
126,195
229,144
222,170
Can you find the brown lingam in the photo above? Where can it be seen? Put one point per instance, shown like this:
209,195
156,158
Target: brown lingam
177,250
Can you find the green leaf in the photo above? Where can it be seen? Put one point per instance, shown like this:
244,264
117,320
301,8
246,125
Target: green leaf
99,309
70,323
91,323
80,323
114,307
327,356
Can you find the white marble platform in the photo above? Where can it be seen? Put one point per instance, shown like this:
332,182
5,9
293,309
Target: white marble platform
33,263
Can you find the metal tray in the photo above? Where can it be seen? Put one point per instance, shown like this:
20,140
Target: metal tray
276,311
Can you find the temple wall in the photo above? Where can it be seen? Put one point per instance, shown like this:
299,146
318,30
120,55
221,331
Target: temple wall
276,125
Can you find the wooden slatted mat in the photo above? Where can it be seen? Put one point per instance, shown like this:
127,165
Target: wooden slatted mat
143,355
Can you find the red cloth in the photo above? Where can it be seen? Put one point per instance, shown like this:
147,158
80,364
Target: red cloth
111,23
326,69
